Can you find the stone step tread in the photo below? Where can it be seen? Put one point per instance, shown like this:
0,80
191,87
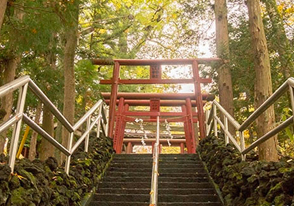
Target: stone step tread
161,198
114,203
161,174
160,185
131,164
146,178
182,191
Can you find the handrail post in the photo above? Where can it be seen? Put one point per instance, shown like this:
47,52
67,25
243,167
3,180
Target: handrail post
16,131
154,179
88,135
291,90
107,121
206,122
214,119
227,141
99,121
242,144
68,158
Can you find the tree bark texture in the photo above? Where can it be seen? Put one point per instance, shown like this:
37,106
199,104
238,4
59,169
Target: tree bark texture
263,82
33,142
222,49
281,42
3,6
69,76
7,100
46,148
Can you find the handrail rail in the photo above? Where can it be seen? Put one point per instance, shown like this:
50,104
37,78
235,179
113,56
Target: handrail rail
22,84
154,179
212,117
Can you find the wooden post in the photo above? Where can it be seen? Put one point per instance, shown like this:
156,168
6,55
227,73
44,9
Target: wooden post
191,125
118,126
182,146
112,104
187,132
129,148
198,95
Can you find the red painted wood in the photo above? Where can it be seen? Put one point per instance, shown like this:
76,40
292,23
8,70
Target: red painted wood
162,102
137,62
198,95
162,96
186,129
118,127
182,146
191,125
112,104
155,81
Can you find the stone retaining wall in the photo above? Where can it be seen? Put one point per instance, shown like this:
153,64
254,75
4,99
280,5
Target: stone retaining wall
249,182
46,184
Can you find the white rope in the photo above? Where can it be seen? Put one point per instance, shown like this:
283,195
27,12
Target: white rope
140,121
168,130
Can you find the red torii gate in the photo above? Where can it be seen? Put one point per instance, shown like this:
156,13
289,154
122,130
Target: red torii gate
185,100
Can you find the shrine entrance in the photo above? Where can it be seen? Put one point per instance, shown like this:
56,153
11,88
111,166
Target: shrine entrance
191,104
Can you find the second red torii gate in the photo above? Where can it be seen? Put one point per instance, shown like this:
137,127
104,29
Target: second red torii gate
186,101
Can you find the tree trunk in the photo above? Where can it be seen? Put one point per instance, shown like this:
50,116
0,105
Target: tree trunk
222,49
33,142
281,42
7,100
263,82
3,5
46,148
69,77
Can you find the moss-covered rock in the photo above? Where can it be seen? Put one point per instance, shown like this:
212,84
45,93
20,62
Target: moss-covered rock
249,182
40,183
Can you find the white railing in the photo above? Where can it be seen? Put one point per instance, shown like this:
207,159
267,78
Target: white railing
213,120
154,179
91,118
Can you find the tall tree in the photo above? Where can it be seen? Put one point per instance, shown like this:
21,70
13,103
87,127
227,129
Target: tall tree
222,50
280,40
263,81
9,66
71,38
3,6
46,148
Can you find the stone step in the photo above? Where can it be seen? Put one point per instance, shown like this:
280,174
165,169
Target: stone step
124,190
118,173
160,185
188,198
180,165
128,179
161,198
189,204
132,156
148,179
184,185
149,165
185,191
104,203
114,203
169,191
183,179
131,165
181,170
123,197
134,169
125,184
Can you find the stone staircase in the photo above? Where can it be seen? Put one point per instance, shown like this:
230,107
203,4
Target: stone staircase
126,183
182,182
